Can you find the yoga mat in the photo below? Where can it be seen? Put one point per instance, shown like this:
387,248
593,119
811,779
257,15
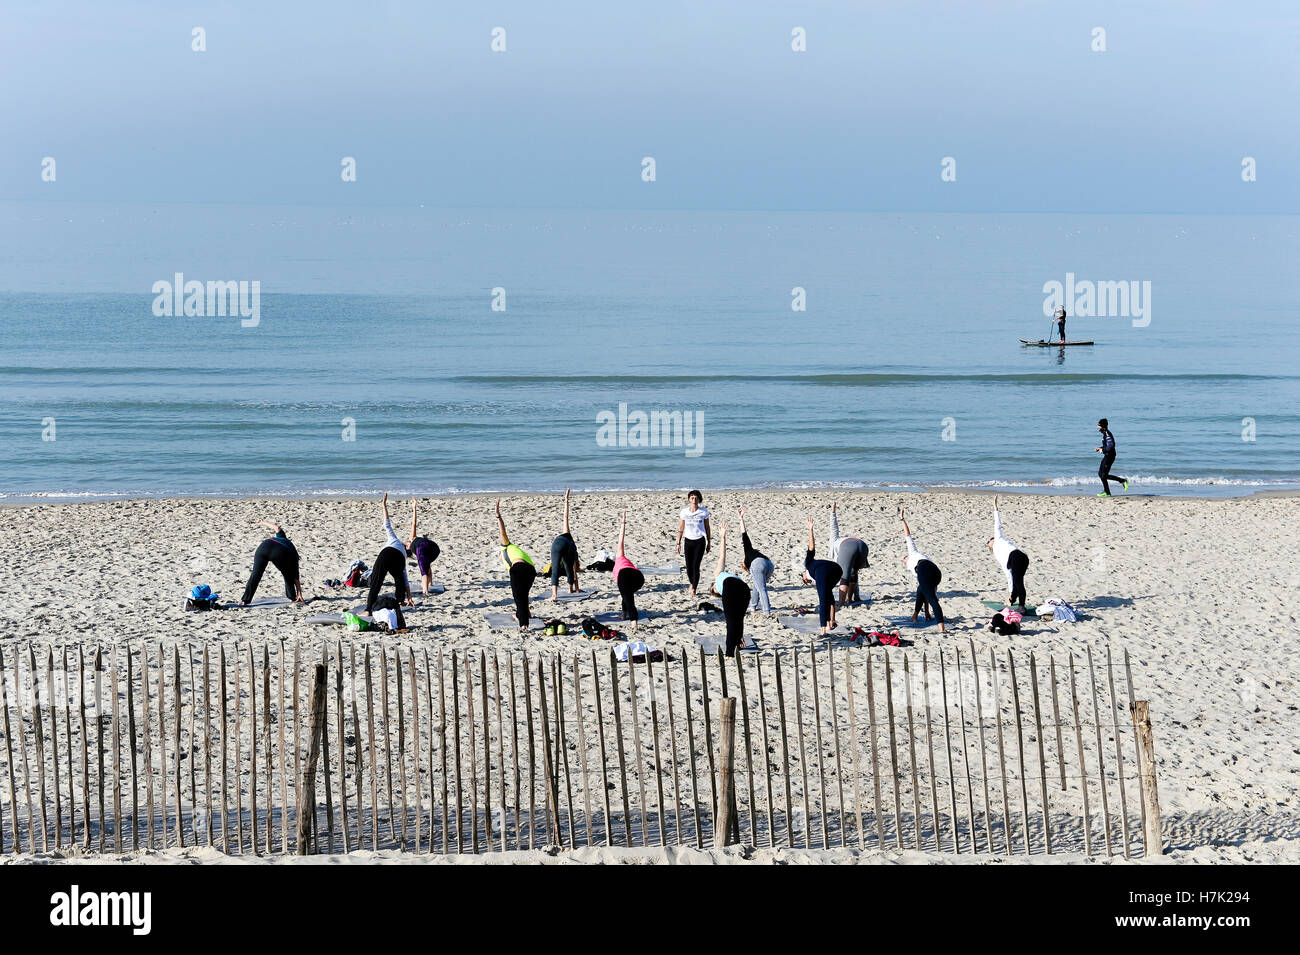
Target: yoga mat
507,621
807,623
580,595
999,605
260,602
614,618
665,571
326,618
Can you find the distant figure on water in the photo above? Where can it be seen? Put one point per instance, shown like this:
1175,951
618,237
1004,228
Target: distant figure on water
824,575
522,572
693,530
1009,557
390,562
277,550
564,556
423,550
627,577
735,597
759,566
1060,321
928,578
1107,452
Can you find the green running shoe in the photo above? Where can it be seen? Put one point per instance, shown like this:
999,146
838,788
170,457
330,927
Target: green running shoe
1104,494
1126,485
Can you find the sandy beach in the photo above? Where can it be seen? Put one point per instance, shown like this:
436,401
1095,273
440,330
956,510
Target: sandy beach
1200,592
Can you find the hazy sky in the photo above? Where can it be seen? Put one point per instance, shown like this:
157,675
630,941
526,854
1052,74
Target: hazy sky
734,118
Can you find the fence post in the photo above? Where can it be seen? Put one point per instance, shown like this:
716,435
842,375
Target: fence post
1147,778
726,794
307,782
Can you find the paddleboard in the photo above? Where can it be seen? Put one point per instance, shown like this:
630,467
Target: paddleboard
1043,344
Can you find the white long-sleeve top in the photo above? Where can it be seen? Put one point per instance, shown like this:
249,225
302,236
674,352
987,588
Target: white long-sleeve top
1002,547
914,556
393,540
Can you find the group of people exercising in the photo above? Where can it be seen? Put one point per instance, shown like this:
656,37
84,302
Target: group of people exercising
694,538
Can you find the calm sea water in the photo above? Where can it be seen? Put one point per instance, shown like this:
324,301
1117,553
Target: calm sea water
904,369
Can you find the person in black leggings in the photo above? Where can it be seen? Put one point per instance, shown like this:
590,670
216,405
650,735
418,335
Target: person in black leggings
693,528
627,577
522,572
735,596
928,578
824,575
277,550
564,557
390,562
1107,452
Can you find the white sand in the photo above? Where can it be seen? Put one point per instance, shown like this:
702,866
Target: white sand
1201,592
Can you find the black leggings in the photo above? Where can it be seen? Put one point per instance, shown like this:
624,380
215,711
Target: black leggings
1103,472
629,581
694,557
825,575
735,603
928,577
1018,563
285,560
390,561
564,560
522,575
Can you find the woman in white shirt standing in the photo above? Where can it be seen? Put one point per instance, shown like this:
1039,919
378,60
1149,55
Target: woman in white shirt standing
693,529
928,577
1009,557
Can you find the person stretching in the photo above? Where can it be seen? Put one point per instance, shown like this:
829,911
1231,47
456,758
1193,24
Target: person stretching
391,561
1107,452
1009,557
522,572
627,578
278,550
928,577
760,569
824,575
851,554
564,557
423,550
735,596
693,527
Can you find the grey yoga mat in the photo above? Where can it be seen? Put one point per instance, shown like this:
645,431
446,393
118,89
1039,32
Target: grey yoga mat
805,623
507,621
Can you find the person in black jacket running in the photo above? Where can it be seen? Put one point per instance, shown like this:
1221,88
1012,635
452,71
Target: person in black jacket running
277,550
1107,452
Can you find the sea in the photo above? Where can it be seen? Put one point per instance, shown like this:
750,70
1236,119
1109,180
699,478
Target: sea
439,351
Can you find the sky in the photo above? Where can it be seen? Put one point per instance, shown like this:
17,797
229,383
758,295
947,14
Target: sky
1035,119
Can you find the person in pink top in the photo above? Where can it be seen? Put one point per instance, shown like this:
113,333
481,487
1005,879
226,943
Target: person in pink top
626,576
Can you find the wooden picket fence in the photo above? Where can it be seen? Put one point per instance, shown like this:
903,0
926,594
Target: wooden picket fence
369,745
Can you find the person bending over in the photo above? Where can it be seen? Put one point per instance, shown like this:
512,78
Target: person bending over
391,562
824,575
278,550
564,557
851,554
627,578
928,578
1009,557
735,596
424,551
522,572
759,566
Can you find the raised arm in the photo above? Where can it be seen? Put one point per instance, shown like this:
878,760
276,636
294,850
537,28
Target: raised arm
907,531
997,518
740,512
384,502
622,533
812,542
272,525
501,527
722,551
566,510
835,524
414,518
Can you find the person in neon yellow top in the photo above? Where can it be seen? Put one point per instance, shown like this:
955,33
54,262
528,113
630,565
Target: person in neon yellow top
522,571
